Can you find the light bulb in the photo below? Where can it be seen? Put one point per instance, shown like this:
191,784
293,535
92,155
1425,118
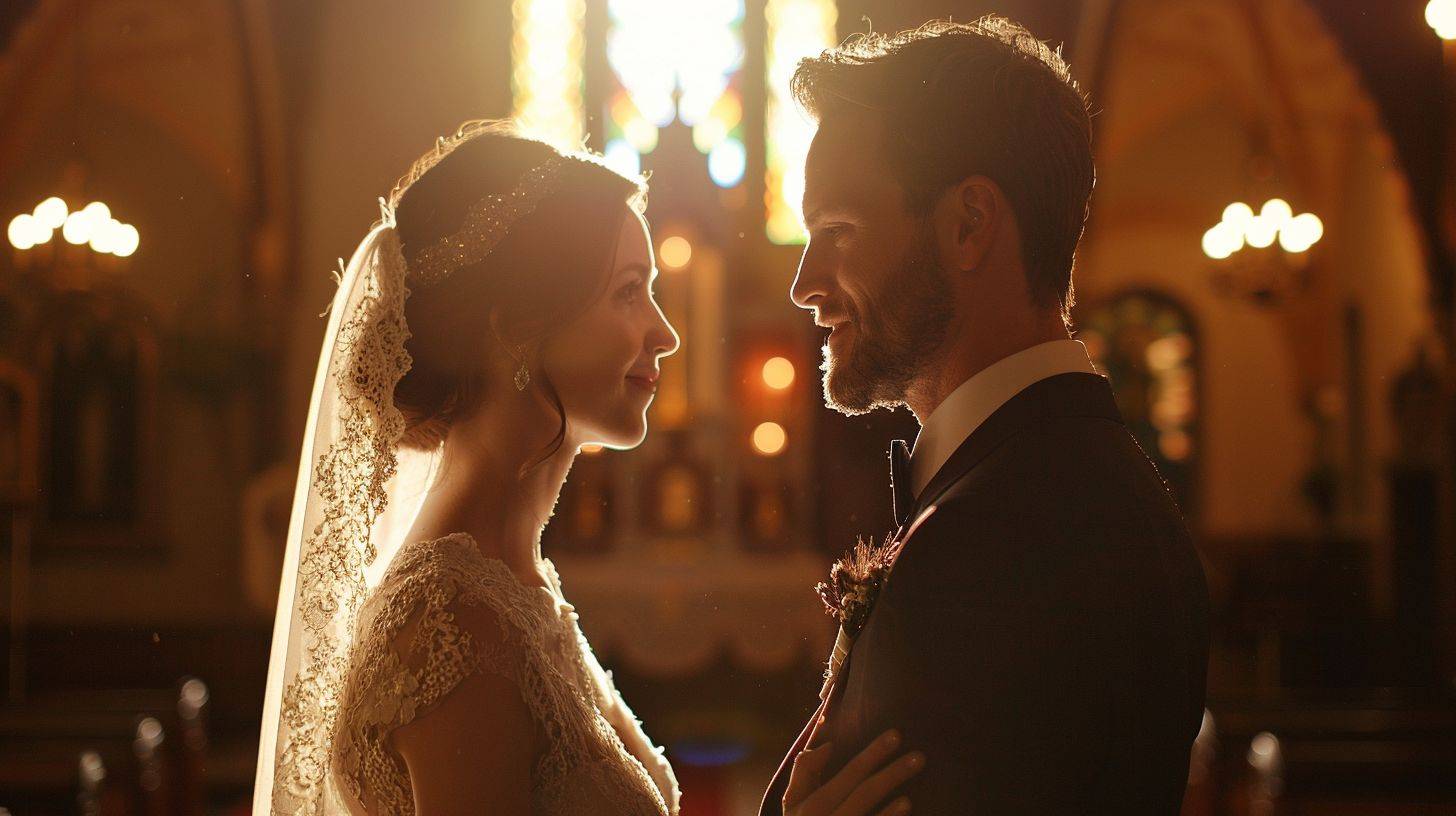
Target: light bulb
78,228
21,231
127,241
1261,232
1221,240
52,212
97,212
1237,215
1276,211
104,236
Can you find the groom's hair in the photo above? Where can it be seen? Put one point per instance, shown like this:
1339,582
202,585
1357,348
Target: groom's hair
965,99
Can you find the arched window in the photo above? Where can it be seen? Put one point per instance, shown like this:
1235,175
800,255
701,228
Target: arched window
1146,345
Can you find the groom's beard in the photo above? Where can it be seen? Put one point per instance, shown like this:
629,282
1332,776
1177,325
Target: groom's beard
889,341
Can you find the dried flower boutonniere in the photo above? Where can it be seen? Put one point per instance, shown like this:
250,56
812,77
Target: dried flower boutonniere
855,582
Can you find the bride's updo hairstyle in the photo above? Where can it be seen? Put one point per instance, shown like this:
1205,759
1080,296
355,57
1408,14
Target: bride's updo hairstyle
552,264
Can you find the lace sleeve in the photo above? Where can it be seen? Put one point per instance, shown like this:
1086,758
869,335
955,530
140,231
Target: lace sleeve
425,633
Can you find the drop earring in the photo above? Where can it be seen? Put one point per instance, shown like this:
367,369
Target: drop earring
523,374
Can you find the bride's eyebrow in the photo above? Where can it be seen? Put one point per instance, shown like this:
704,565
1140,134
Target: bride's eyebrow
640,269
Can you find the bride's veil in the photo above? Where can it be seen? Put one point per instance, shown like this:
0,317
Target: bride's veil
355,499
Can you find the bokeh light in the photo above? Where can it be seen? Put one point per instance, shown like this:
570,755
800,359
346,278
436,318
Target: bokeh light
778,373
52,212
770,438
1275,220
1441,16
675,252
21,231
727,162
78,228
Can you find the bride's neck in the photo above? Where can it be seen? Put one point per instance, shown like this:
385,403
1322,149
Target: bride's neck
482,489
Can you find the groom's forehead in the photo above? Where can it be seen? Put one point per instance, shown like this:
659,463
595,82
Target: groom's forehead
845,166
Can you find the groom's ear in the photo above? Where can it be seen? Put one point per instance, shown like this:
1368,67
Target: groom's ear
968,217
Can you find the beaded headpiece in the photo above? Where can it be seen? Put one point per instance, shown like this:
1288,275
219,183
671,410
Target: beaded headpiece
488,221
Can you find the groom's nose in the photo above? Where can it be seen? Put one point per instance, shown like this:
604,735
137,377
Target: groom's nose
812,282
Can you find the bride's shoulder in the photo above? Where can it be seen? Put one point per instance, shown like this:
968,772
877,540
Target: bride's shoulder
452,571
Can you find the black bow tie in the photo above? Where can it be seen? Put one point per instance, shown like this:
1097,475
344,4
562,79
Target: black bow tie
901,491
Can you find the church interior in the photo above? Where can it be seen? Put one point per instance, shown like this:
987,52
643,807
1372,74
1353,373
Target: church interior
1268,278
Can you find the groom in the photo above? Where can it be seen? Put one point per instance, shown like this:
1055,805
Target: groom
1042,637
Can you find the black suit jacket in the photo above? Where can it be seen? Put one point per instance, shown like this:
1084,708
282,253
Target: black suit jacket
1043,636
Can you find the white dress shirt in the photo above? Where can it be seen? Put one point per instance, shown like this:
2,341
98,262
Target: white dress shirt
961,413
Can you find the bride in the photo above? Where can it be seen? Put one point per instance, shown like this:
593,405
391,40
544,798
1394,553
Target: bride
498,316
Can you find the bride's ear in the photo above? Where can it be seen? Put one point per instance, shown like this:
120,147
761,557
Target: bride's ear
504,342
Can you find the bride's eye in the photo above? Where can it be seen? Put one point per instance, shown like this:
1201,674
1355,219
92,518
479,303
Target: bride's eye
630,291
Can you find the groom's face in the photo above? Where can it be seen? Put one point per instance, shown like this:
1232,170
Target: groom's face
869,271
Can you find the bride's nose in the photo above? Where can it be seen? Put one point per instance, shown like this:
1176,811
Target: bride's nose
662,339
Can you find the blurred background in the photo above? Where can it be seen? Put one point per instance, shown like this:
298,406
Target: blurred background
1267,278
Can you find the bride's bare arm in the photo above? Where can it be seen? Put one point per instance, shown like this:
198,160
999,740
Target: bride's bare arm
473,751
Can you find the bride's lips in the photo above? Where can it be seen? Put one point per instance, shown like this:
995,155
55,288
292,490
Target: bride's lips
647,380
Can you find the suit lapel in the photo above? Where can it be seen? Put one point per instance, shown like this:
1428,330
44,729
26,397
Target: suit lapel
1063,395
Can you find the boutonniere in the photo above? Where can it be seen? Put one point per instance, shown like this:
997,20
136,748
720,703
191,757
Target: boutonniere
855,582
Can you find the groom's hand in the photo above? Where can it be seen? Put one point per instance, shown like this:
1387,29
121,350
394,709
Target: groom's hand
858,788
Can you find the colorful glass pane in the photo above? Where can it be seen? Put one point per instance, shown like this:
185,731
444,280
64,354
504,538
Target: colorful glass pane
546,73
796,29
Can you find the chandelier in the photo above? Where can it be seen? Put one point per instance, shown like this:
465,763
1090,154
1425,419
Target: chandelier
1261,257
91,226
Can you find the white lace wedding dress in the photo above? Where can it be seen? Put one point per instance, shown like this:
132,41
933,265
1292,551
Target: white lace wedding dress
411,651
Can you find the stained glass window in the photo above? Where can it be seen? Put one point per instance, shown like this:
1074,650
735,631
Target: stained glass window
546,73
1146,346
676,61
796,29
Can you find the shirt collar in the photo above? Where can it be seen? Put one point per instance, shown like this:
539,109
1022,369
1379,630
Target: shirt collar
963,411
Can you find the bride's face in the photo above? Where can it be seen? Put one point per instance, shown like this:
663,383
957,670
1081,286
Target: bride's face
604,363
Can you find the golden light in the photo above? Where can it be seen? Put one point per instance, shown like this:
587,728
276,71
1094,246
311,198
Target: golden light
1276,220
1276,211
1238,215
78,228
675,252
127,241
546,75
769,438
1302,232
52,212
91,225
1222,240
21,231
1441,16
104,236
591,448
778,373
1261,232
795,29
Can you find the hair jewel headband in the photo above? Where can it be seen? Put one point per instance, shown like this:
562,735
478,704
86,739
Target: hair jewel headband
488,222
